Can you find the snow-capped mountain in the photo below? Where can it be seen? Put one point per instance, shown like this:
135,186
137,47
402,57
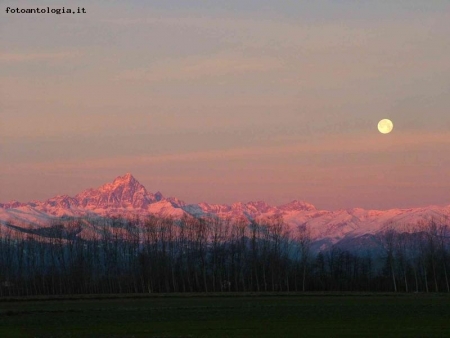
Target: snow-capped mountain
125,196
124,192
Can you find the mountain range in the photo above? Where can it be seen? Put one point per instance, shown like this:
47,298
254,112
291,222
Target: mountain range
127,197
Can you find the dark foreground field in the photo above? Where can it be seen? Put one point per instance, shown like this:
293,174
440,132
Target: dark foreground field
279,315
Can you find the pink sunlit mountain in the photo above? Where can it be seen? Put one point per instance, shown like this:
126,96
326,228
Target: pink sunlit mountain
127,197
124,192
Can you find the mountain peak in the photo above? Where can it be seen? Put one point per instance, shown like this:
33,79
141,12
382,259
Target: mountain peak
297,205
127,178
125,191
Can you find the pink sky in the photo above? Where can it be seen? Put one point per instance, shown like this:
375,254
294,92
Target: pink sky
218,105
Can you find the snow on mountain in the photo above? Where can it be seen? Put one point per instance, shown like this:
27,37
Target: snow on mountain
250,210
218,209
166,208
63,201
11,204
23,216
127,197
124,192
17,214
296,206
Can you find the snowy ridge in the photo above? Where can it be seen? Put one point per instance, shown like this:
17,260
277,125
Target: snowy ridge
125,196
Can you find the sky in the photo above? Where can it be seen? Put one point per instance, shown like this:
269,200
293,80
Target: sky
224,101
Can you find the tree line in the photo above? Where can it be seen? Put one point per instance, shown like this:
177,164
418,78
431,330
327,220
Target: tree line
162,255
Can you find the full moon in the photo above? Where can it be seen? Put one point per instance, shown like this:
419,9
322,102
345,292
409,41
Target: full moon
385,126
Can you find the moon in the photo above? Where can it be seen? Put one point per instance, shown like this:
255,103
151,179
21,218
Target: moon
385,126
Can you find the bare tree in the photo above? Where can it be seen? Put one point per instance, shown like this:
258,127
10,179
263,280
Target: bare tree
304,247
389,239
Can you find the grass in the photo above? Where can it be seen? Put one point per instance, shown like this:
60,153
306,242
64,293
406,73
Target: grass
229,315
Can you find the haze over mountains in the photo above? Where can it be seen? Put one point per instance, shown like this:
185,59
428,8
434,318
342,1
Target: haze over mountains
127,197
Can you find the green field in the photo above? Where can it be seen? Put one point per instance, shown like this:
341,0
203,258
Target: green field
244,315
